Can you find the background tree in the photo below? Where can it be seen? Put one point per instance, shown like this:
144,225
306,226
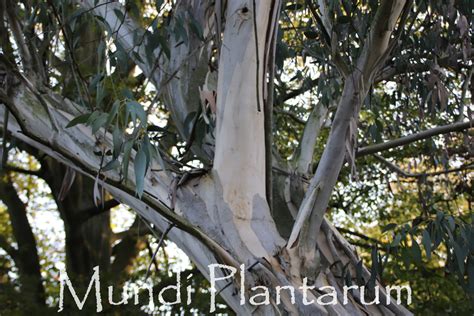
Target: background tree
199,142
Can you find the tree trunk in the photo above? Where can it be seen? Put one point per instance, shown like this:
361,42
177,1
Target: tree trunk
26,258
87,226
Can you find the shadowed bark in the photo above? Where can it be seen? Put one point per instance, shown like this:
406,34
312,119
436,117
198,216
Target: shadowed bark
26,255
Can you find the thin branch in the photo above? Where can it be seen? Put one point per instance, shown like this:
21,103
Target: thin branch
357,234
296,92
305,231
405,67
406,174
152,255
103,207
160,243
455,127
17,32
36,173
292,115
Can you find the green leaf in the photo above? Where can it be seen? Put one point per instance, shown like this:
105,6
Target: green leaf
179,30
119,14
195,27
164,46
113,113
137,57
94,115
189,122
388,227
451,223
460,255
99,122
136,111
374,269
415,251
470,276
113,164
396,240
93,85
81,119
117,141
426,240
359,273
140,165
101,51
146,145
126,158
439,217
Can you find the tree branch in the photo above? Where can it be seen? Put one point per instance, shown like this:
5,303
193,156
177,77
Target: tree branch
357,234
455,127
27,258
75,148
405,67
311,213
406,174
94,211
178,78
292,115
36,173
296,92
312,129
17,32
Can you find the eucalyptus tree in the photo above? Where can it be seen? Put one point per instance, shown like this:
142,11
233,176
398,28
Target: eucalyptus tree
199,154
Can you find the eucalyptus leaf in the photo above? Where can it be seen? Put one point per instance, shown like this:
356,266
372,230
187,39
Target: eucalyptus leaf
140,165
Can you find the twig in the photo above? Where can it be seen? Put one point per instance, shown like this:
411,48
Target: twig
160,242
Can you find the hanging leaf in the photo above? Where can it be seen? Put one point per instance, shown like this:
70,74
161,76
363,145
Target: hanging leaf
67,183
388,227
359,275
117,141
111,165
460,255
396,240
415,251
136,110
195,27
113,113
140,165
126,158
81,119
119,15
99,122
426,240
